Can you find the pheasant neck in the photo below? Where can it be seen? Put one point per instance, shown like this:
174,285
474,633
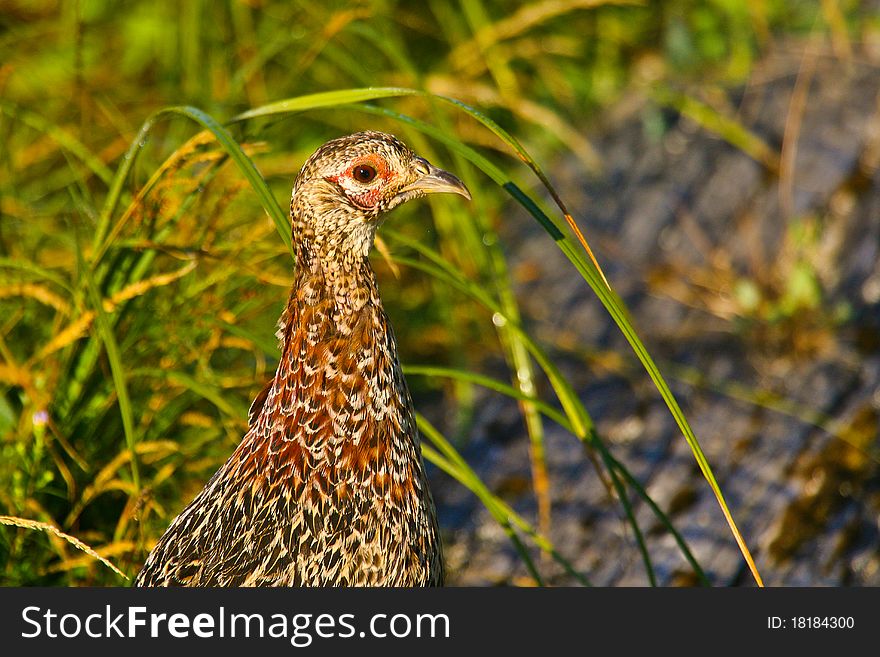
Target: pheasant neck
342,281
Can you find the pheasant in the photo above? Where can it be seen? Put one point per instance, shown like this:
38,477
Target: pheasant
327,487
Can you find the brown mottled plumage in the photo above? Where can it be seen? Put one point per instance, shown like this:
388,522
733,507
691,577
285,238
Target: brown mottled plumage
327,486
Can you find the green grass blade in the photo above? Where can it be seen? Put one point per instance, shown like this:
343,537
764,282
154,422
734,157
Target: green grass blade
117,371
491,384
553,414
229,144
448,458
456,473
325,99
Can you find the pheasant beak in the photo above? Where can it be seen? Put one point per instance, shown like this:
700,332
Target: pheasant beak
432,180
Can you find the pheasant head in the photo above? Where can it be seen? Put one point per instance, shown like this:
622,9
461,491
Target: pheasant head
348,184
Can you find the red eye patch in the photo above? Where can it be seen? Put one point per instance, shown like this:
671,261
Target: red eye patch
366,171
369,167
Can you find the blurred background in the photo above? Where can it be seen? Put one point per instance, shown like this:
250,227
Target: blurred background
720,157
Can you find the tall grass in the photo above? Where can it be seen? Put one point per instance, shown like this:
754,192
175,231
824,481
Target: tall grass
145,254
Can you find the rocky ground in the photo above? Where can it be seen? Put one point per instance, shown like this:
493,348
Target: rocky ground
758,292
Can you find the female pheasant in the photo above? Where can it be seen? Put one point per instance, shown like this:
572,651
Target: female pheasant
327,487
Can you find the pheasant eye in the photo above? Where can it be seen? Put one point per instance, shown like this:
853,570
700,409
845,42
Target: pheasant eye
363,173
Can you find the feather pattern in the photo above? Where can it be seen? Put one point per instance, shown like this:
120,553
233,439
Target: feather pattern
327,487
